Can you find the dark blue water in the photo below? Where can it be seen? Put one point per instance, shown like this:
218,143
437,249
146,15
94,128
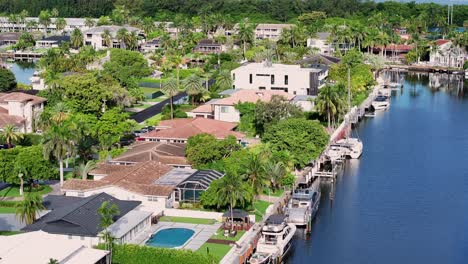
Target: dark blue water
406,199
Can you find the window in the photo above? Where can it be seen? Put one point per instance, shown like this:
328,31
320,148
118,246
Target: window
286,79
250,78
233,76
82,237
80,194
224,109
70,237
272,79
261,88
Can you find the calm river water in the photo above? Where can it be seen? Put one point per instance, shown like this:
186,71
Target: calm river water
23,71
406,199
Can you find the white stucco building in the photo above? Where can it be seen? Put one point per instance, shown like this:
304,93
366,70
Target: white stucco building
320,42
270,31
93,36
20,110
292,79
32,24
447,54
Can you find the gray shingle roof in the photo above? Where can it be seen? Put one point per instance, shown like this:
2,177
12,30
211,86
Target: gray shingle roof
80,217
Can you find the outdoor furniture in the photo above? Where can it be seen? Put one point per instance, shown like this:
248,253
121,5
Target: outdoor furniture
240,220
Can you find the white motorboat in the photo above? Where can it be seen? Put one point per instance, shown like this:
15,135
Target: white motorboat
395,85
303,206
381,103
335,153
370,114
353,147
275,240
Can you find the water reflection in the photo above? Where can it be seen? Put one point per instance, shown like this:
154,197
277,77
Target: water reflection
23,71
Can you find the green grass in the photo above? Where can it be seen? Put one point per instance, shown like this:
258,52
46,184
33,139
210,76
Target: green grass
216,250
275,193
147,90
188,220
157,100
9,233
7,210
260,209
220,235
68,175
153,120
13,191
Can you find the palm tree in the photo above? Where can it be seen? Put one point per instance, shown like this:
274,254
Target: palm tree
10,135
122,35
84,168
57,142
232,190
176,60
60,24
76,38
131,40
255,173
193,86
89,22
147,25
107,38
28,209
326,102
45,18
170,89
276,171
224,80
53,261
245,33
107,212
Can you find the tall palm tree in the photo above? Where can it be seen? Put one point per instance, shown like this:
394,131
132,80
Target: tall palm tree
232,191
9,134
245,33
176,61
58,142
107,212
131,40
326,102
107,38
76,38
122,35
147,25
170,89
276,171
193,86
84,168
255,173
89,22
28,209
224,80
60,24
45,19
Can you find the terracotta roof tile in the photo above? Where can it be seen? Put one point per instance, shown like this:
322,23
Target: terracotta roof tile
251,96
6,119
440,42
21,97
166,153
106,169
206,108
184,128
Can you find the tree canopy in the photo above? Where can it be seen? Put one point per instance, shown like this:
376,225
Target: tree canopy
304,139
7,80
205,148
126,64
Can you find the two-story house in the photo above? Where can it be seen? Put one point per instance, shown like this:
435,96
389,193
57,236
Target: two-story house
21,110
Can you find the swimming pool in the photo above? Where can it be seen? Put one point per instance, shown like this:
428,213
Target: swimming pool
170,237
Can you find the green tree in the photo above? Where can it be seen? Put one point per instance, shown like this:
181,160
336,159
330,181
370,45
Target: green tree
170,89
193,86
83,169
269,113
7,163
224,80
25,41
53,261
125,65
31,163
255,173
304,139
232,191
7,80
28,210
111,127
245,34
89,22
107,212
60,24
328,102
58,142
76,38
45,19
10,134
107,38
276,172
205,148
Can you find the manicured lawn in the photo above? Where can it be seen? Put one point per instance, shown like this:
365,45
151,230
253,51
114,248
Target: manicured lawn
187,220
9,233
13,191
153,120
260,209
7,210
275,193
220,235
216,250
147,90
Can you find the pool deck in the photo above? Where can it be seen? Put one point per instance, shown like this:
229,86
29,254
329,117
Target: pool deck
202,233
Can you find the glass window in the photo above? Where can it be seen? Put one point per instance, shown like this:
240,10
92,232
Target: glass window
250,78
286,79
233,76
224,109
272,79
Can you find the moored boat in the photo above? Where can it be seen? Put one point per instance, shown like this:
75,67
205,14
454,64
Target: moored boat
381,102
353,147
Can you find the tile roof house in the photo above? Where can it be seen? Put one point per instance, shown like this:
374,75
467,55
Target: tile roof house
20,109
179,130
93,36
208,46
52,41
152,183
224,109
40,247
446,54
79,218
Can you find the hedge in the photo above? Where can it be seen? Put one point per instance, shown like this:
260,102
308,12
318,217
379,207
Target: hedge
134,254
8,203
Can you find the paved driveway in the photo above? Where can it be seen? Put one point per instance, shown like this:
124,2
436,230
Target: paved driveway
9,222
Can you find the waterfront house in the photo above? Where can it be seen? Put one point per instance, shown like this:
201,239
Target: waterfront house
445,54
155,185
293,79
9,38
93,36
320,42
270,31
394,52
40,247
77,218
52,41
20,110
181,129
224,109
32,24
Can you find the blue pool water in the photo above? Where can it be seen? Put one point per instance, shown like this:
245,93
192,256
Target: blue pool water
170,237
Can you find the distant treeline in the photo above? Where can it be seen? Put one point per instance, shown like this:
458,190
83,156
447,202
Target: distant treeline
257,10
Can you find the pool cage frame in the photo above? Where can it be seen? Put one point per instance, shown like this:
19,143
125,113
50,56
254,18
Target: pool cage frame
191,188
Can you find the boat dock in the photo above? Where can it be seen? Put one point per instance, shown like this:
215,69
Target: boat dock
21,55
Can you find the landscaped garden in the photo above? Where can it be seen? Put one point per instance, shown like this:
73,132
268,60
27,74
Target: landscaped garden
13,191
215,250
188,220
8,207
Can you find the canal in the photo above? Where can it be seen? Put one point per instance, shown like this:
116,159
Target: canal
406,199
23,71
